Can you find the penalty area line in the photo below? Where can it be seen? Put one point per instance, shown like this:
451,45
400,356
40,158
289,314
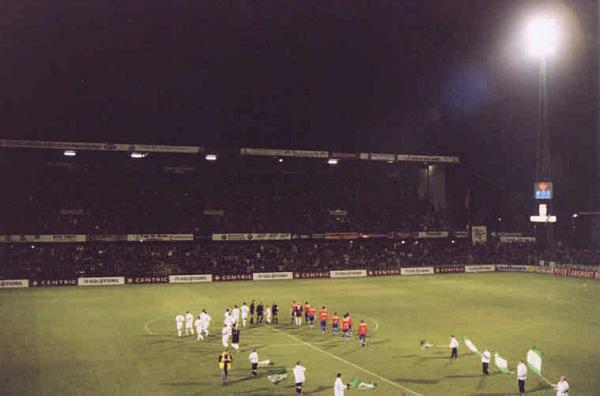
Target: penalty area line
395,384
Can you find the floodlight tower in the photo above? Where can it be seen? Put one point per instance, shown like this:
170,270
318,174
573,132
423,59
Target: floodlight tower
542,36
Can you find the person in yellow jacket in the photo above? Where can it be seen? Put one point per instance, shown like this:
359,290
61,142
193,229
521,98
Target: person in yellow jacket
225,361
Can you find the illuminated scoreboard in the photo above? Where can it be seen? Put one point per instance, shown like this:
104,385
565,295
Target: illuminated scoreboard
543,190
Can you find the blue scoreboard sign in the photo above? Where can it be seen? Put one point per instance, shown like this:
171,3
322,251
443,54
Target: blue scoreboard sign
543,190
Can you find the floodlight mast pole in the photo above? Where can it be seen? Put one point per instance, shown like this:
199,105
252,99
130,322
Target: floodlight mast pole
543,144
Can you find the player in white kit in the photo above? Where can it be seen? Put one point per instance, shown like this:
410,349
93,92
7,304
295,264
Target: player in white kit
189,323
268,314
179,319
205,322
235,314
198,324
244,310
225,333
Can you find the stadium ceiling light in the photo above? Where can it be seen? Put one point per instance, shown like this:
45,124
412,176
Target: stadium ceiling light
137,155
211,157
542,36
333,161
70,153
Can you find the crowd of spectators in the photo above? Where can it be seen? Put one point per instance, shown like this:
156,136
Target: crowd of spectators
110,194
68,260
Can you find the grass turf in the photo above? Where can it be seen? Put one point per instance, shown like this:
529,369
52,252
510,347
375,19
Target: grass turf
122,340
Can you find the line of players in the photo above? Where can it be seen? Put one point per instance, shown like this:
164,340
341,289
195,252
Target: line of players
270,315
345,321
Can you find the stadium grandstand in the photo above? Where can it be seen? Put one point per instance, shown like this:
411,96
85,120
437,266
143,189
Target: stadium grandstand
100,209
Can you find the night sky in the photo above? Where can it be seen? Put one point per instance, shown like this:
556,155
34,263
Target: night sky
386,76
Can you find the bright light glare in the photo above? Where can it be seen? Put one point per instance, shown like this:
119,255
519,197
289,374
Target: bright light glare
211,157
70,153
138,155
575,215
542,36
332,161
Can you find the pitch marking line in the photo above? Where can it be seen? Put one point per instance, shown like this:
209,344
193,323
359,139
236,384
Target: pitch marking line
349,363
147,326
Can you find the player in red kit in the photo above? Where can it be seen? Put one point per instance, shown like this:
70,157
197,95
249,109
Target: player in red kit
362,333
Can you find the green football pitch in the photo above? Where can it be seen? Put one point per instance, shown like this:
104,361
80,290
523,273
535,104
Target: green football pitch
122,340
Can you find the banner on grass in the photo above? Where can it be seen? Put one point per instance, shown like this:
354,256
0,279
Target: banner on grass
511,268
480,268
447,269
101,281
348,273
575,273
263,276
417,271
147,279
52,282
238,277
201,278
13,283
311,275
384,272
544,270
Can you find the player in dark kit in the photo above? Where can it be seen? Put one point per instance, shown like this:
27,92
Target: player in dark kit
260,308
252,312
275,313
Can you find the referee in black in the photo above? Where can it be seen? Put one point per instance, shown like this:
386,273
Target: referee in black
252,312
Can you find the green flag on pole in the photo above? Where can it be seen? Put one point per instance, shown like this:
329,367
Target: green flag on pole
501,363
276,374
470,345
534,360
362,385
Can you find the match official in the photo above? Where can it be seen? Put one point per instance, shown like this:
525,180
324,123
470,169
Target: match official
299,377
485,361
454,347
521,376
562,388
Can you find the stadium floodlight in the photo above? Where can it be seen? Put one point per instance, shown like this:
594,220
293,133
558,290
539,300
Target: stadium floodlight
542,36
70,153
211,157
333,161
137,155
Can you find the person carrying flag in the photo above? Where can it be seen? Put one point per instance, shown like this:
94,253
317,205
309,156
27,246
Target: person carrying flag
486,356
562,387
362,333
323,316
335,323
521,377
454,347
